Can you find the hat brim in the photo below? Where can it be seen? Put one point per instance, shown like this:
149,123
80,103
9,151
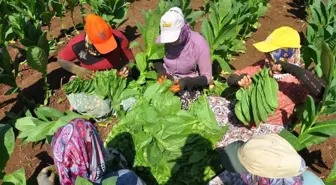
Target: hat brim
107,46
265,47
229,158
169,36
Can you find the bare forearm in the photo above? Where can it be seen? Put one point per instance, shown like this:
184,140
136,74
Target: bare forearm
68,65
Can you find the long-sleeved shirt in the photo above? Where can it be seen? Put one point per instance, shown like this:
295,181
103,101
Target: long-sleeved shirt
190,60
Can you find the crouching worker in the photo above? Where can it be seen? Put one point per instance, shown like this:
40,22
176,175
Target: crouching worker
78,151
264,160
99,48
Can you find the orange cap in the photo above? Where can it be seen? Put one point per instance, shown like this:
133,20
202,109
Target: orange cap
100,34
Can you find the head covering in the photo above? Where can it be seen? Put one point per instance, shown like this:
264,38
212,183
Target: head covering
78,151
290,55
100,34
267,155
284,37
171,25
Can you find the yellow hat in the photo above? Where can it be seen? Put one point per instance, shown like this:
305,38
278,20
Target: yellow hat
271,156
284,37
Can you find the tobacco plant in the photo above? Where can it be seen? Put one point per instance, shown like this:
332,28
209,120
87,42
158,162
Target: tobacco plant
112,11
189,14
227,25
150,50
321,28
37,58
171,142
7,143
312,130
42,123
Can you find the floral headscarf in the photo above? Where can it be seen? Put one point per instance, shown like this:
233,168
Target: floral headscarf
290,55
78,151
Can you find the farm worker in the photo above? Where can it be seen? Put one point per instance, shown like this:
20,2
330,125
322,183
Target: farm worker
188,61
282,50
99,48
78,151
265,159
187,58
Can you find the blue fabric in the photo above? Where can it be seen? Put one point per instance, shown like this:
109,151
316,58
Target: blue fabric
282,54
125,177
309,178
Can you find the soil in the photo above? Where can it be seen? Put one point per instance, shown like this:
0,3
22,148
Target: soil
34,158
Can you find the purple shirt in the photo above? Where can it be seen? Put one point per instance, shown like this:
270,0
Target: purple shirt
190,60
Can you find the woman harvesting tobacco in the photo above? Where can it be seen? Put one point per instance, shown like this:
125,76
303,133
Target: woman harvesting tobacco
188,62
282,51
99,48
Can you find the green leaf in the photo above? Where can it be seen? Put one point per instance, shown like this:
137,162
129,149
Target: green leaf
327,128
27,123
141,62
151,90
7,142
207,32
310,111
224,8
110,181
292,139
37,59
197,156
223,64
308,140
43,43
8,80
327,62
16,178
332,175
82,181
154,155
48,112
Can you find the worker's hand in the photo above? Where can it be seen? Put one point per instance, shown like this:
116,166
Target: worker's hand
161,79
44,178
124,72
84,74
245,82
176,87
274,68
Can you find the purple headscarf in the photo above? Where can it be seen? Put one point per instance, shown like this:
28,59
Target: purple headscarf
173,51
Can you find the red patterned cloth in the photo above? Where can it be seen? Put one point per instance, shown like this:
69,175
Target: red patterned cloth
291,92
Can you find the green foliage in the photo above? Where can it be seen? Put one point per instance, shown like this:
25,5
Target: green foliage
150,32
47,121
227,24
312,131
321,28
82,181
105,84
16,178
189,15
332,175
7,141
112,11
259,100
6,69
169,141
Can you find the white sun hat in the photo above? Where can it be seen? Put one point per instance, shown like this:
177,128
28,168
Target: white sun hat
171,24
